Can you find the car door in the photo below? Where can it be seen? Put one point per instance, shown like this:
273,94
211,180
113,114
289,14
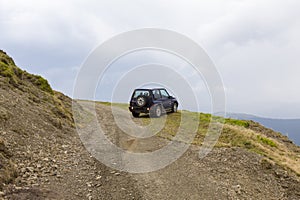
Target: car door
166,101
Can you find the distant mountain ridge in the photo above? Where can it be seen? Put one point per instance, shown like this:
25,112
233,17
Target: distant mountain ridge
288,127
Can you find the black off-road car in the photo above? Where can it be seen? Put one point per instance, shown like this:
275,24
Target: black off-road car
153,101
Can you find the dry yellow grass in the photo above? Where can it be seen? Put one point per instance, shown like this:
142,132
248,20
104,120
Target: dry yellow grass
280,154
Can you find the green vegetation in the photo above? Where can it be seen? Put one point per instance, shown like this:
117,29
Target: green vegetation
18,77
267,141
236,122
208,117
42,84
6,59
8,72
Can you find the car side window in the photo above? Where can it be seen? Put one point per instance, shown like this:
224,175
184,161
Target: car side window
156,94
164,94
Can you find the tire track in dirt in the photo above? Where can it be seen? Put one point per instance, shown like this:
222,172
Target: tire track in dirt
226,173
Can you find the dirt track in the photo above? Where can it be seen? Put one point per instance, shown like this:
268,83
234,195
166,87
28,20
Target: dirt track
226,173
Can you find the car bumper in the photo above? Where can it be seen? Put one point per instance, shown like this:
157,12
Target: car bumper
138,109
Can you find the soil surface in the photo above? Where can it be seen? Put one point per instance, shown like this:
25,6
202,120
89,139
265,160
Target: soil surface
55,165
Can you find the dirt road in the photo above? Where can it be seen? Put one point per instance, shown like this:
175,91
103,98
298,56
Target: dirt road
231,173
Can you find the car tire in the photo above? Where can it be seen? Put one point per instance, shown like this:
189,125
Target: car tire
156,112
174,108
141,101
134,114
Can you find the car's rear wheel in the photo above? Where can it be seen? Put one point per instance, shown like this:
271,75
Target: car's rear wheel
174,108
134,114
156,111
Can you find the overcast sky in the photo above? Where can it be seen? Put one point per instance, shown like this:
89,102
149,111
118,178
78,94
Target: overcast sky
254,44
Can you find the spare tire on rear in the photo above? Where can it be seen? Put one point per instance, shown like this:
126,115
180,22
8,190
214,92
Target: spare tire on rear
141,101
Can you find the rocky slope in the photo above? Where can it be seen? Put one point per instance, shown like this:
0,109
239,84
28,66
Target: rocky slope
42,157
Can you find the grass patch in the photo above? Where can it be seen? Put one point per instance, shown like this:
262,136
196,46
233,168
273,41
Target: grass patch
20,78
42,84
266,141
234,138
8,72
204,117
237,122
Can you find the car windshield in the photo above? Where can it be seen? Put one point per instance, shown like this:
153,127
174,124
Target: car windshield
140,93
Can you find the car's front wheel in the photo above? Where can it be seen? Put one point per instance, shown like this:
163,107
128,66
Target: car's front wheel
174,108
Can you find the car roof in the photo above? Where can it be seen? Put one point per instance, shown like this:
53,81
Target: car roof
150,89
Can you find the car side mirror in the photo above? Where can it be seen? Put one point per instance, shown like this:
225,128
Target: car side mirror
170,97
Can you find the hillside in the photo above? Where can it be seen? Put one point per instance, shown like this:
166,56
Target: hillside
290,127
42,156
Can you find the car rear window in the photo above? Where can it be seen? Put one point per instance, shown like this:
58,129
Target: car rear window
140,93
